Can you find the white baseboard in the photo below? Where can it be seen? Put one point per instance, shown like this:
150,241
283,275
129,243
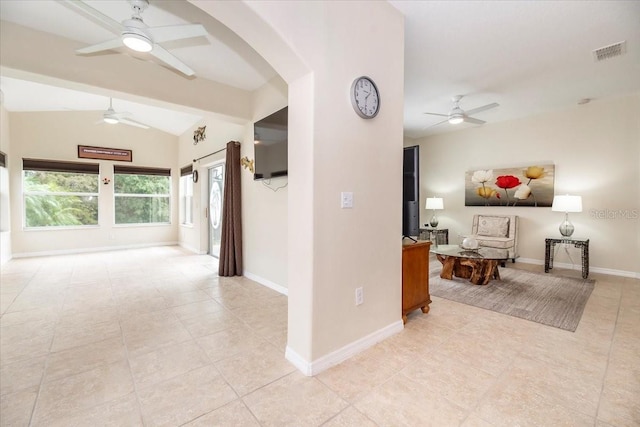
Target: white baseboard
268,283
298,361
612,272
529,261
325,362
578,267
192,249
5,247
96,249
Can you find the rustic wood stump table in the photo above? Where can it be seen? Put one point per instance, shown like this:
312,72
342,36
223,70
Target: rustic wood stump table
480,266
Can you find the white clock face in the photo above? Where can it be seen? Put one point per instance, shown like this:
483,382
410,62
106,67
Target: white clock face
365,98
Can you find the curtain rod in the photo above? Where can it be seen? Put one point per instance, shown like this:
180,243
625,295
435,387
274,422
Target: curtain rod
215,152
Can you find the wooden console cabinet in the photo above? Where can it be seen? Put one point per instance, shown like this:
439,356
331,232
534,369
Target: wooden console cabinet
415,277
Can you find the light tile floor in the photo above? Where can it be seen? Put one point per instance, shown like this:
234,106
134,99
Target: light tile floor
153,337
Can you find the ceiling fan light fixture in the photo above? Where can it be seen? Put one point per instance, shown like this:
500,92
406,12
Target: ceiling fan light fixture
456,115
111,120
456,119
136,41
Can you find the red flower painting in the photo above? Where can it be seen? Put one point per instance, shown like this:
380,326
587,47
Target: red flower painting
507,181
510,186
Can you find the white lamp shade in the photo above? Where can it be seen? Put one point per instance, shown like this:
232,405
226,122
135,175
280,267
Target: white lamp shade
434,203
567,203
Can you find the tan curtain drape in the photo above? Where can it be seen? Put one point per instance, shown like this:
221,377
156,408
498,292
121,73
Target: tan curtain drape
230,261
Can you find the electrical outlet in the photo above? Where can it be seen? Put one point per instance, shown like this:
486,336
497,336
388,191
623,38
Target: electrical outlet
359,296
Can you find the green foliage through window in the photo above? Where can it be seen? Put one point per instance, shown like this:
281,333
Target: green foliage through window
58,199
142,199
141,184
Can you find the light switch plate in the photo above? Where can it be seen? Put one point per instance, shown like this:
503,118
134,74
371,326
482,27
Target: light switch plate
346,200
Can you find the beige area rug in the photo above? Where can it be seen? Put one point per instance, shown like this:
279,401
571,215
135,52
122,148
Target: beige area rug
543,298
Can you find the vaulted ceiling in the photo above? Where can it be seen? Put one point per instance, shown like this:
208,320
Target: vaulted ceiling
530,57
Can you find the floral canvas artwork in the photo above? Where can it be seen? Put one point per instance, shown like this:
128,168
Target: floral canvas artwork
523,186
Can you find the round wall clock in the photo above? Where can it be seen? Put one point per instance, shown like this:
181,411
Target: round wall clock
365,97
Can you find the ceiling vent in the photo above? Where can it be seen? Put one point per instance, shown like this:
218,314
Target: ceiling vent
611,51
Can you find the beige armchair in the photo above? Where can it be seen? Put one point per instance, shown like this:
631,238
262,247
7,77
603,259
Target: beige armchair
497,231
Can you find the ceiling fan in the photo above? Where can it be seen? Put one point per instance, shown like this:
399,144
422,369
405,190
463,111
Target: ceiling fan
138,36
112,117
458,115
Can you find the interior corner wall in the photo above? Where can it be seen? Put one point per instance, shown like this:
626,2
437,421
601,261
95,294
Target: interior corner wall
219,131
264,209
5,201
332,251
265,203
56,136
596,152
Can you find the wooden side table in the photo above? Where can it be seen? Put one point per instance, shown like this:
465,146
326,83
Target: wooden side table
583,244
415,277
439,236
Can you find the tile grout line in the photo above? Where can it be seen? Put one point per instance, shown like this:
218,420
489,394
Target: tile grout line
606,370
21,291
126,353
46,363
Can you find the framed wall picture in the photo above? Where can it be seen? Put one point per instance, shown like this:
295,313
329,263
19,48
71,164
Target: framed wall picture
517,186
101,153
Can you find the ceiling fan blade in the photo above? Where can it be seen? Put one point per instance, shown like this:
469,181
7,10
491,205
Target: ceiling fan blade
472,120
133,123
483,108
119,116
437,114
108,45
163,55
95,15
176,32
436,124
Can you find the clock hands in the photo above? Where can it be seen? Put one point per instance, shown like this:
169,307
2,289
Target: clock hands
366,98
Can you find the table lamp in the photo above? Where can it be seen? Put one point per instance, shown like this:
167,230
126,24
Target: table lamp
566,204
434,203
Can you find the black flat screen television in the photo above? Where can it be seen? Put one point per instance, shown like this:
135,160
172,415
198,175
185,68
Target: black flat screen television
411,192
270,145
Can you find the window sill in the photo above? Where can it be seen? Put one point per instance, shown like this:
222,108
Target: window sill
155,224
62,228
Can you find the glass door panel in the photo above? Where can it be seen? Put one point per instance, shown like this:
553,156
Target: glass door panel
216,187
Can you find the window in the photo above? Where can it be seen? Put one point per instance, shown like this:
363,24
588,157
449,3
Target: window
4,193
186,195
60,194
142,195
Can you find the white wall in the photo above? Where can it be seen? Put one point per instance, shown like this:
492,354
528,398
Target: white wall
220,130
56,136
332,251
595,149
5,204
264,212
